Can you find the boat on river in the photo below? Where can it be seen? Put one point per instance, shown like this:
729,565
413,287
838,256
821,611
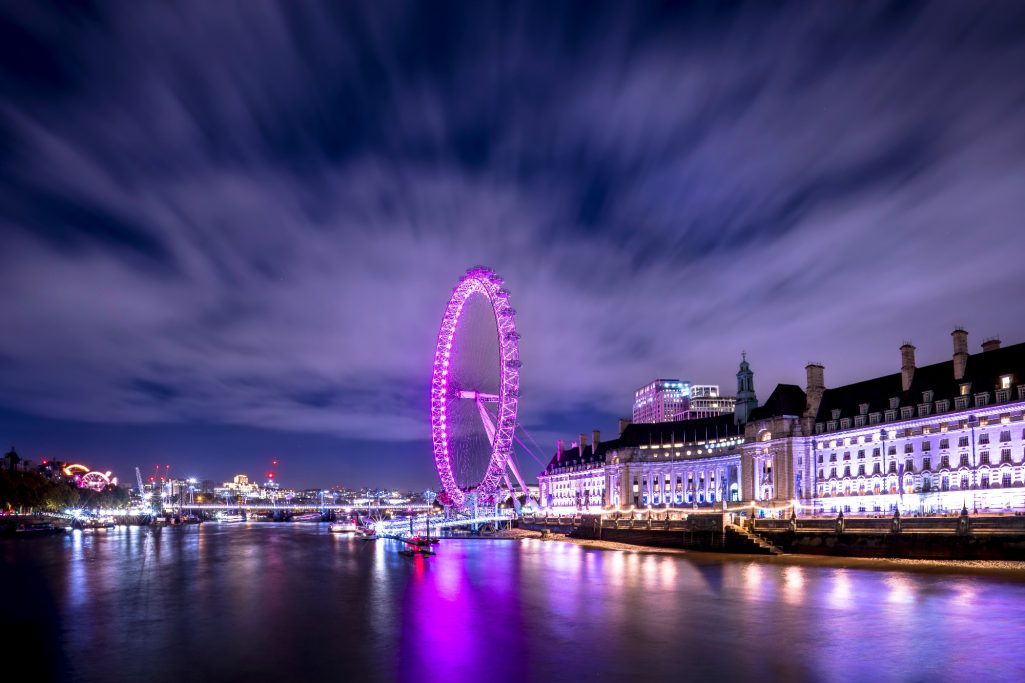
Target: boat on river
342,526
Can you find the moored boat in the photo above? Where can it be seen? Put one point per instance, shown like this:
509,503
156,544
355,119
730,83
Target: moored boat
342,526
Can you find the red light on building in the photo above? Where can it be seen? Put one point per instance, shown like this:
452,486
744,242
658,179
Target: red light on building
152,478
45,461
274,462
270,475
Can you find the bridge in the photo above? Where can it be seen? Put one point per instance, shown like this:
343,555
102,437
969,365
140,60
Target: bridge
288,507
418,525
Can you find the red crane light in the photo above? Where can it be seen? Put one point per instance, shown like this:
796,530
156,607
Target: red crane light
152,478
270,475
274,462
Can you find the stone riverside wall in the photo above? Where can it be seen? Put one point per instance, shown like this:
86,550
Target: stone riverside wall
962,537
702,531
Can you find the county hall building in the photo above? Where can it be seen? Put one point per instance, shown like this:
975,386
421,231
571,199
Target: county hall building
925,439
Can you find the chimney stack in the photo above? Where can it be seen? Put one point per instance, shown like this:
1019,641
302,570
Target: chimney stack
816,386
582,442
907,365
623,424
558,452
594,441
991,344
960,337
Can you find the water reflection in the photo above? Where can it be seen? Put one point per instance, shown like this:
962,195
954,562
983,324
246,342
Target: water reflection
281,602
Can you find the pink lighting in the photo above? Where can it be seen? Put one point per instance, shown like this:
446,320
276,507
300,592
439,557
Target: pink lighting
485,282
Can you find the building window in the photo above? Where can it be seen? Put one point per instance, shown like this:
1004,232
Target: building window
984,481
942,406
873,419
960,402
859,420
923,409
1005,455
944,462
1005,382
909,448
1005,436
982,399
893,467
983,438
892,450
964,460
926,463
1006,479
964,482
894,402
962,442
926,446
845,423
984,458
847,455
945,483
835,413
944,443
964,388
861,454
905,412
1003,395
847,471
891,415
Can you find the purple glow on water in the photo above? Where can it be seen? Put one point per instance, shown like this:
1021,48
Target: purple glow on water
281,602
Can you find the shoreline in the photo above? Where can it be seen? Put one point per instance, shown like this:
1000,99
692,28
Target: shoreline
999,569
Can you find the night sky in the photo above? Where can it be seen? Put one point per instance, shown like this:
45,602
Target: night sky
228,230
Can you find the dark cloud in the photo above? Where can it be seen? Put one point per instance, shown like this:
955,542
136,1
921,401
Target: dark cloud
251,214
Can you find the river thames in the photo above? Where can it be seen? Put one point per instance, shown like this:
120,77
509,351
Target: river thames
283,602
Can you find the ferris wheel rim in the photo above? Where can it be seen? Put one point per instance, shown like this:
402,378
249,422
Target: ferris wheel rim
485,281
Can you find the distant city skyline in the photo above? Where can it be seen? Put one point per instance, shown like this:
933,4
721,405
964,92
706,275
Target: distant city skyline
229,231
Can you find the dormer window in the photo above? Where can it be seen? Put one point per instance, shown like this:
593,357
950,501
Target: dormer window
927,396
965,388
836,413
863,409
905,412
1005,382
894,402
981,399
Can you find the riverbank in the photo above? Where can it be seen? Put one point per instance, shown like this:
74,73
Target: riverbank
1004,569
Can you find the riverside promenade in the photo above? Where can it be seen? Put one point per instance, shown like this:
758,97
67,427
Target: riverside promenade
963,536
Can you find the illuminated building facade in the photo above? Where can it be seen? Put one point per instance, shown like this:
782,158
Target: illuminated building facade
932,438
683,463
575,478
695,462
660,400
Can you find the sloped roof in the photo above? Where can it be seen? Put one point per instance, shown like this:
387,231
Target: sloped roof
786,399
983,371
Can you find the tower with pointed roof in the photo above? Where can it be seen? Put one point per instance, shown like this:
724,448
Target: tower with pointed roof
746,399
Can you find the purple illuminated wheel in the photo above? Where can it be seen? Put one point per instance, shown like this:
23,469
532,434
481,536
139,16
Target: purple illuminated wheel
475,387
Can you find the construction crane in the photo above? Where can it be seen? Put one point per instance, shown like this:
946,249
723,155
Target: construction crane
138,480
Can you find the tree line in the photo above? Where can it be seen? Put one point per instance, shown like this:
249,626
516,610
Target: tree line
30,491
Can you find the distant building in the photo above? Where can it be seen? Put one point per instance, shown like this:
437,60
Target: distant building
705,401
660,400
